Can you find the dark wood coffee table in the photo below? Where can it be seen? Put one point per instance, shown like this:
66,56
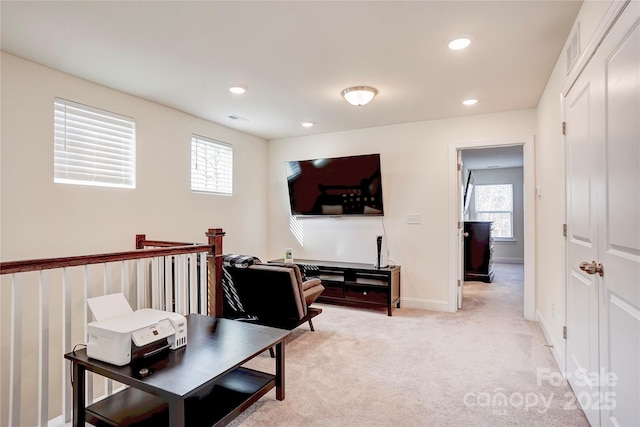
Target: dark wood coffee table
202,384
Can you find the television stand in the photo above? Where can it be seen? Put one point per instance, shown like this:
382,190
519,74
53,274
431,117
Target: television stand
353,283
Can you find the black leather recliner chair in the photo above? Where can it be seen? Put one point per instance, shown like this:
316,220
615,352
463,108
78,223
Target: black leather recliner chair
274,294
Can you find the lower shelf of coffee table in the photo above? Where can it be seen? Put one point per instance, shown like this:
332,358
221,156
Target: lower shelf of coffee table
216,404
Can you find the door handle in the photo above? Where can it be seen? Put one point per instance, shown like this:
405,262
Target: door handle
465,234
592,268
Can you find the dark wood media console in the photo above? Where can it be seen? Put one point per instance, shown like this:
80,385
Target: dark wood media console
355,284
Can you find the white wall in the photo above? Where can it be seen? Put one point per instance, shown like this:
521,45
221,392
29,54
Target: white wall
41,219
415,172
550,178
505,251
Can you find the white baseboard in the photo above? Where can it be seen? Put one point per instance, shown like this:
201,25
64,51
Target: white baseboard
558,348
504,260
58,421
425,304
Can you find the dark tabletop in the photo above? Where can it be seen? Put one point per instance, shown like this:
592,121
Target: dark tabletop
214,347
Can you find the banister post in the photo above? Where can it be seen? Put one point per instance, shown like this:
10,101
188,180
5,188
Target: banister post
140,238
216,296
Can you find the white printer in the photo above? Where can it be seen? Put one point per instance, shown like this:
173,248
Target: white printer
120,335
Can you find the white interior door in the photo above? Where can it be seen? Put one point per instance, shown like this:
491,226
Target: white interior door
619,228
461,186
581,107
603,178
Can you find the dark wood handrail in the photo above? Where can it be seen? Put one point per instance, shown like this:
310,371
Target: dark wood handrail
10,267
161,244
143,243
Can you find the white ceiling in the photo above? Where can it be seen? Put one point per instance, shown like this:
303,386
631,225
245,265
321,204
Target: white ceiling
493,158
296,57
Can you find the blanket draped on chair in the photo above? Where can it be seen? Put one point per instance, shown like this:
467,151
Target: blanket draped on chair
232,303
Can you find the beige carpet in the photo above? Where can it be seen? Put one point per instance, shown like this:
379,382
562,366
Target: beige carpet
483,366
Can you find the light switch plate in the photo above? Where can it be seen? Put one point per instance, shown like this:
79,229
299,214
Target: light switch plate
413,218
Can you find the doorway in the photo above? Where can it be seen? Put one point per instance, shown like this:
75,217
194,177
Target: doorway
523,146
493,216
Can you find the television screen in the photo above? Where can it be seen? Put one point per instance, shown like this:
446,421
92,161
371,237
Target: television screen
336,186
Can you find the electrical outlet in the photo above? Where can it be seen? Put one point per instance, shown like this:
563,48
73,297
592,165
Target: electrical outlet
413,218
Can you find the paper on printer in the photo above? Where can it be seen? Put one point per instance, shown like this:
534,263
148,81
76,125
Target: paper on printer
120,335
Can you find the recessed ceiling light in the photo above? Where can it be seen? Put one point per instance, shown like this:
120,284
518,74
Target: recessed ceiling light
307,124
470,101
237,117
238,89
460,43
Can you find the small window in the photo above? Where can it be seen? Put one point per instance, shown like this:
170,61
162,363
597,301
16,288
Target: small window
93,147
495,203
211,166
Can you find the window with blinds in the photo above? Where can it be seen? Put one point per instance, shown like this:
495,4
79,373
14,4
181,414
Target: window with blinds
211,166
495,203
93,147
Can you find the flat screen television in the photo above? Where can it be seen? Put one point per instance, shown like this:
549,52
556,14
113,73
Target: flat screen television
336,186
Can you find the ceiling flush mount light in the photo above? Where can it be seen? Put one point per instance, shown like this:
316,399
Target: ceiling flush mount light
307,124
359,95
460,43
470,101
238,89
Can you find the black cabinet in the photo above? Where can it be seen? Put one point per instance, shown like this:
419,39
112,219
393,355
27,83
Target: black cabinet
478,251
355,284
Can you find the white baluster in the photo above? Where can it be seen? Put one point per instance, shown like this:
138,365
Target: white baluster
124,278
204,284
141,284
106,281
193,284
156,290
43,353
15,360
182,284
87,294
178,283
66,345
168,284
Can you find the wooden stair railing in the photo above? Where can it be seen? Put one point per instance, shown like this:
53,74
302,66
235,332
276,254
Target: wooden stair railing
37,294
214,236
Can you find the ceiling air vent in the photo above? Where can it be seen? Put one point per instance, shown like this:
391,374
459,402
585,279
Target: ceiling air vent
573,49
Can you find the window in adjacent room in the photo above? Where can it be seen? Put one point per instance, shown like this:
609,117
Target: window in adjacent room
93,147
495,203
211,166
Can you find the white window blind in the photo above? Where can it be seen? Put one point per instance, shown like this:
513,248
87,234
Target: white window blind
93,147
211,166
495,203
